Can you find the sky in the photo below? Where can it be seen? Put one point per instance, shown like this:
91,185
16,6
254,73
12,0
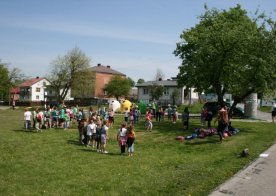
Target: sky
135,37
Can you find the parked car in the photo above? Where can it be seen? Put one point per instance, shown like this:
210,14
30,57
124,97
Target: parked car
214,107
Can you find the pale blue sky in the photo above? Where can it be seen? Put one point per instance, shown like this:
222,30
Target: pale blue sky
135,37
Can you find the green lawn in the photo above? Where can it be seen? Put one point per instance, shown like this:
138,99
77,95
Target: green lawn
53,162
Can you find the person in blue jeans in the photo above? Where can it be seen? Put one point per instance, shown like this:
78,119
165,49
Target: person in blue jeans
130,140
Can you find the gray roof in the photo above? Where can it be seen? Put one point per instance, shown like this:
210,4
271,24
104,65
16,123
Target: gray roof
162,82
105,69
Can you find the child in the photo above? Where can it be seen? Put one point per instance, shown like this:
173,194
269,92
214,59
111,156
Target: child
91,130
98,135
54,115
27,119
169,111
48,118
39,120
121,137
81,126
126,115
137,115
148,121
66,120
104,137
175,115
203,116
131,116
130,140
110,118
185,118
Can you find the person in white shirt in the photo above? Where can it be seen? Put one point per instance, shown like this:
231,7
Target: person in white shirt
91,133
121,137
27,119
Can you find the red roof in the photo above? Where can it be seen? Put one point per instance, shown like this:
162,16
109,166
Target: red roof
30,82
15,91
105,69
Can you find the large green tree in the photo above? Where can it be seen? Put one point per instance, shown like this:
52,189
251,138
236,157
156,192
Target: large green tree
228,52
118,87
140,81
9,78
131,82
83,85
4,86
156,91
65,69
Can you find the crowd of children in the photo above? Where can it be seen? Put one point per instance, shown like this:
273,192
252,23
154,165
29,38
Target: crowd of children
51,117
94,129
95,133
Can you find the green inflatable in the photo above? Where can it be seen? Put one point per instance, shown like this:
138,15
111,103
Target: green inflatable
142,107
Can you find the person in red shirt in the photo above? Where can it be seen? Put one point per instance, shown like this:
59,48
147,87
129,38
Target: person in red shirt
149,121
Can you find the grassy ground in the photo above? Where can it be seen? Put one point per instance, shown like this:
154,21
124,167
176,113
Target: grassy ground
265,109
53,162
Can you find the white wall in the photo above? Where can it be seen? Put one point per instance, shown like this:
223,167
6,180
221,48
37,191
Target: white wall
38,96
180,100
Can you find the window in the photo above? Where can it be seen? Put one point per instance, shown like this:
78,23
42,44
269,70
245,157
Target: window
37,97
145,91
37,90
166,91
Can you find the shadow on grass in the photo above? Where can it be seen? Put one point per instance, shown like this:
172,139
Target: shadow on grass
25,131
95,151
200,142
74,142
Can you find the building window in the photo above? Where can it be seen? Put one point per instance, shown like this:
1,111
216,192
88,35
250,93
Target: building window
166,91
37,90
37,97
145,91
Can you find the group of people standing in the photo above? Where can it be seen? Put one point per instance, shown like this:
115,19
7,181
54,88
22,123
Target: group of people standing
95,132
51,117
126,137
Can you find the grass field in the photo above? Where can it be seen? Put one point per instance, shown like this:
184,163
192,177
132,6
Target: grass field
54,163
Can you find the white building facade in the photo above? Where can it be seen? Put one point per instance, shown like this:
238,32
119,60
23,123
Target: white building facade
34,89
185,96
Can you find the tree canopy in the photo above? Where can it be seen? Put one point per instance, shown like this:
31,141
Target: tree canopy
65,69
131,82
83,85
140,81
156,91
228,52
118,87
9,79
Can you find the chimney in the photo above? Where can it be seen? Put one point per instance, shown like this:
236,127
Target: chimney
99,64
37,77
108,66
